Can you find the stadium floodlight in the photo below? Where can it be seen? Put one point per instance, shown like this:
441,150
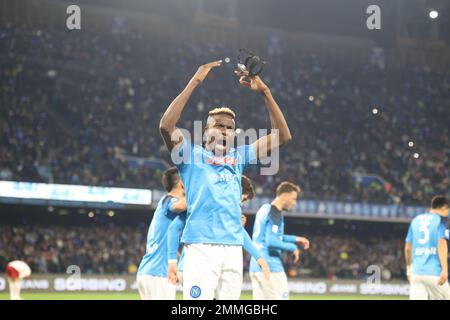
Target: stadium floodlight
433,14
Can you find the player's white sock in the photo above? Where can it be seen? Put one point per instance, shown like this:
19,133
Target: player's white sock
14,290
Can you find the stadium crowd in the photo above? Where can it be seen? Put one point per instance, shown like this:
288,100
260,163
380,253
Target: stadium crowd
80,107
118,249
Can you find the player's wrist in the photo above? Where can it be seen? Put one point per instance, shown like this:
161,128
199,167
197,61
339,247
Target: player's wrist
265,92
173,261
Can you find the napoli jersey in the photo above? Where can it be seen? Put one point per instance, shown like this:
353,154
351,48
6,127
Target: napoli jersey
269,238
424,233
213,193
154,262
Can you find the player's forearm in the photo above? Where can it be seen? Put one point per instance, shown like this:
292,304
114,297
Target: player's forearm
289,238
172,249
275,243
443,254
249,246
408,256
277,119
173,240
173,112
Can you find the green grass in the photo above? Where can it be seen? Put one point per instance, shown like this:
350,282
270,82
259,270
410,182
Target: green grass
135,296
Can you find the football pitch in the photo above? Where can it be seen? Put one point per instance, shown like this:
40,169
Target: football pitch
135,296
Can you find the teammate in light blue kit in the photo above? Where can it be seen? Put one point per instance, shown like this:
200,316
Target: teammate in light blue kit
270,240
426,253
211,174
152,272
176,229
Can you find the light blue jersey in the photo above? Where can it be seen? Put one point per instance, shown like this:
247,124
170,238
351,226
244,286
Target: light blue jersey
424,233
213,193
269,238
154,262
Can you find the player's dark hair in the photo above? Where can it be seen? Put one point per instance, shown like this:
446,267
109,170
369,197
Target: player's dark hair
247,187
287,187
170,178
438,202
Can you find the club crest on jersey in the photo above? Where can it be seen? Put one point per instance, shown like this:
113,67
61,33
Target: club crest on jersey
195,292
222,177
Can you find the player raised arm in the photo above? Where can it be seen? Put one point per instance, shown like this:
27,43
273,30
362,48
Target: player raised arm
167,126
280,133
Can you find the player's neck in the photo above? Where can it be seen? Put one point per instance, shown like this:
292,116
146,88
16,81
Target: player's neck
277,204
437,212
177,193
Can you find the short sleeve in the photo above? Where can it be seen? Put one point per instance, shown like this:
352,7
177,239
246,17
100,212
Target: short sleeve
443,232
172,201
182,155
247,155
409,235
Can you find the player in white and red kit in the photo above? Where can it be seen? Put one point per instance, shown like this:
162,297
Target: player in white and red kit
16,271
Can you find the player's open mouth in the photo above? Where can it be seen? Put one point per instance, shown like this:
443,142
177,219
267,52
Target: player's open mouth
221,141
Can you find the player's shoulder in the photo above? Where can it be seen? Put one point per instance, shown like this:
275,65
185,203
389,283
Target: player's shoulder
264,210
421,217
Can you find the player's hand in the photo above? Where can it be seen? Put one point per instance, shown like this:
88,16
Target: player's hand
443,278
254,83
172,273
265,267
303,242
408,272
203,71
296,255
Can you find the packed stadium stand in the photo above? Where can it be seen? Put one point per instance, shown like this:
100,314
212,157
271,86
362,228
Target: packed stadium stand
76,109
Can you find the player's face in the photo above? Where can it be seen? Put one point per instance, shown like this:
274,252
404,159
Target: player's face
243,199
445,210
181,186
244,220
290,200
219,133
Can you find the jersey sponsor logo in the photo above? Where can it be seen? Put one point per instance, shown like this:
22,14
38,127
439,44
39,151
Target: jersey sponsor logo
425,251
274,228
195,292
218,161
